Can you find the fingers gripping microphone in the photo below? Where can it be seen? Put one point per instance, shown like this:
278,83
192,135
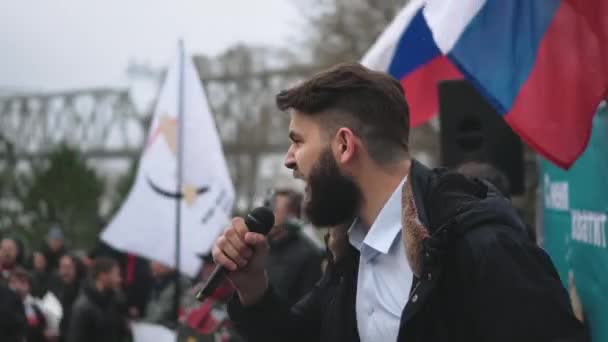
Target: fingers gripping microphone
259,220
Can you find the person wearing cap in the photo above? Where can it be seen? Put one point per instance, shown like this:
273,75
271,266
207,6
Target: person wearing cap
54,248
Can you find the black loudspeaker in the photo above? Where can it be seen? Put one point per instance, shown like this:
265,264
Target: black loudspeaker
471,130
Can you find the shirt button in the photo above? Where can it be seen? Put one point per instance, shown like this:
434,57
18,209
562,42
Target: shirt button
414,298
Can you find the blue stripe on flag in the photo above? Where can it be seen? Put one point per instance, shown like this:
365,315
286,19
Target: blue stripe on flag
498,49
415,48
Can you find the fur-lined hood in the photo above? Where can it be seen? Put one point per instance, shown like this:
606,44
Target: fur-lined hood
453,205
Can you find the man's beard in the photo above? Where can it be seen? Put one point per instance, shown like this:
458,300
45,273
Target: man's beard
333,198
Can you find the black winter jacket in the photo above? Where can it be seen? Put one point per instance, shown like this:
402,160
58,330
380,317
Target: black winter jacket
478,277
293,266
13,324
96,317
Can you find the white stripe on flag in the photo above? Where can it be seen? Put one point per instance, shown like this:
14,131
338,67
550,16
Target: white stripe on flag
448,19
380,55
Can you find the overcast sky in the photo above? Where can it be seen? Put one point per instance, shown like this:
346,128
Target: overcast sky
66,44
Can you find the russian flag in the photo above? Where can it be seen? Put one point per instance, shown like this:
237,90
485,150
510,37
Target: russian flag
543,64
407,51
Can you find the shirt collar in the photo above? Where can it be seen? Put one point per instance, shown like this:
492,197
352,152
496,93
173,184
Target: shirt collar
384,230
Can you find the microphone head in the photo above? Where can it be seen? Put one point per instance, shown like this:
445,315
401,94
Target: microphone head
260,220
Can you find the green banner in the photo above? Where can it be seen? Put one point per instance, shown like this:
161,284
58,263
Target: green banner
575,207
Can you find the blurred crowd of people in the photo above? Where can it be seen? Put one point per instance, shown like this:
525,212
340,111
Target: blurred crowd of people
56,294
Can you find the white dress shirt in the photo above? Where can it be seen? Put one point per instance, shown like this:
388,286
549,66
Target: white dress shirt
385,278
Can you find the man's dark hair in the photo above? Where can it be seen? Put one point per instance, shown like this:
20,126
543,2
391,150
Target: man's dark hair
81,271
20,257
372,104
294,201
101,265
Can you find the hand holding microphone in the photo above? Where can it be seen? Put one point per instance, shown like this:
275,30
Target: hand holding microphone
240,253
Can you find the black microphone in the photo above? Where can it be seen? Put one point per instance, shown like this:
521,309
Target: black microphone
259,220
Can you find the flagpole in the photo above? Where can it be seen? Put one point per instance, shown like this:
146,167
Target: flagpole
180,158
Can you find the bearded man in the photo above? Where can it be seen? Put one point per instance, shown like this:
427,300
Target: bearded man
429,255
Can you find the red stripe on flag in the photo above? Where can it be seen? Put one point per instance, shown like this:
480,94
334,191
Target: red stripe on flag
596,13
420,88
554,108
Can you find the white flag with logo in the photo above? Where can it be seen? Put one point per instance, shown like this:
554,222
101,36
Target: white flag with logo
146,223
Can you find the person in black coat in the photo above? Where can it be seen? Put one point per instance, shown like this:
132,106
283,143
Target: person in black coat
97,315
294,262
21,282
54,248
13,324
447,259
480,279
138,280
66,286
41,275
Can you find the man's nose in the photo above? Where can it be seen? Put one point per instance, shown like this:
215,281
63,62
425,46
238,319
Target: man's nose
290,160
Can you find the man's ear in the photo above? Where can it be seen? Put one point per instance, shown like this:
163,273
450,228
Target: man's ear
345,145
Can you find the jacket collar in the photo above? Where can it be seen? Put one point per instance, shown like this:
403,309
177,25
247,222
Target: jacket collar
384,230
414,217
418,184
421,181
